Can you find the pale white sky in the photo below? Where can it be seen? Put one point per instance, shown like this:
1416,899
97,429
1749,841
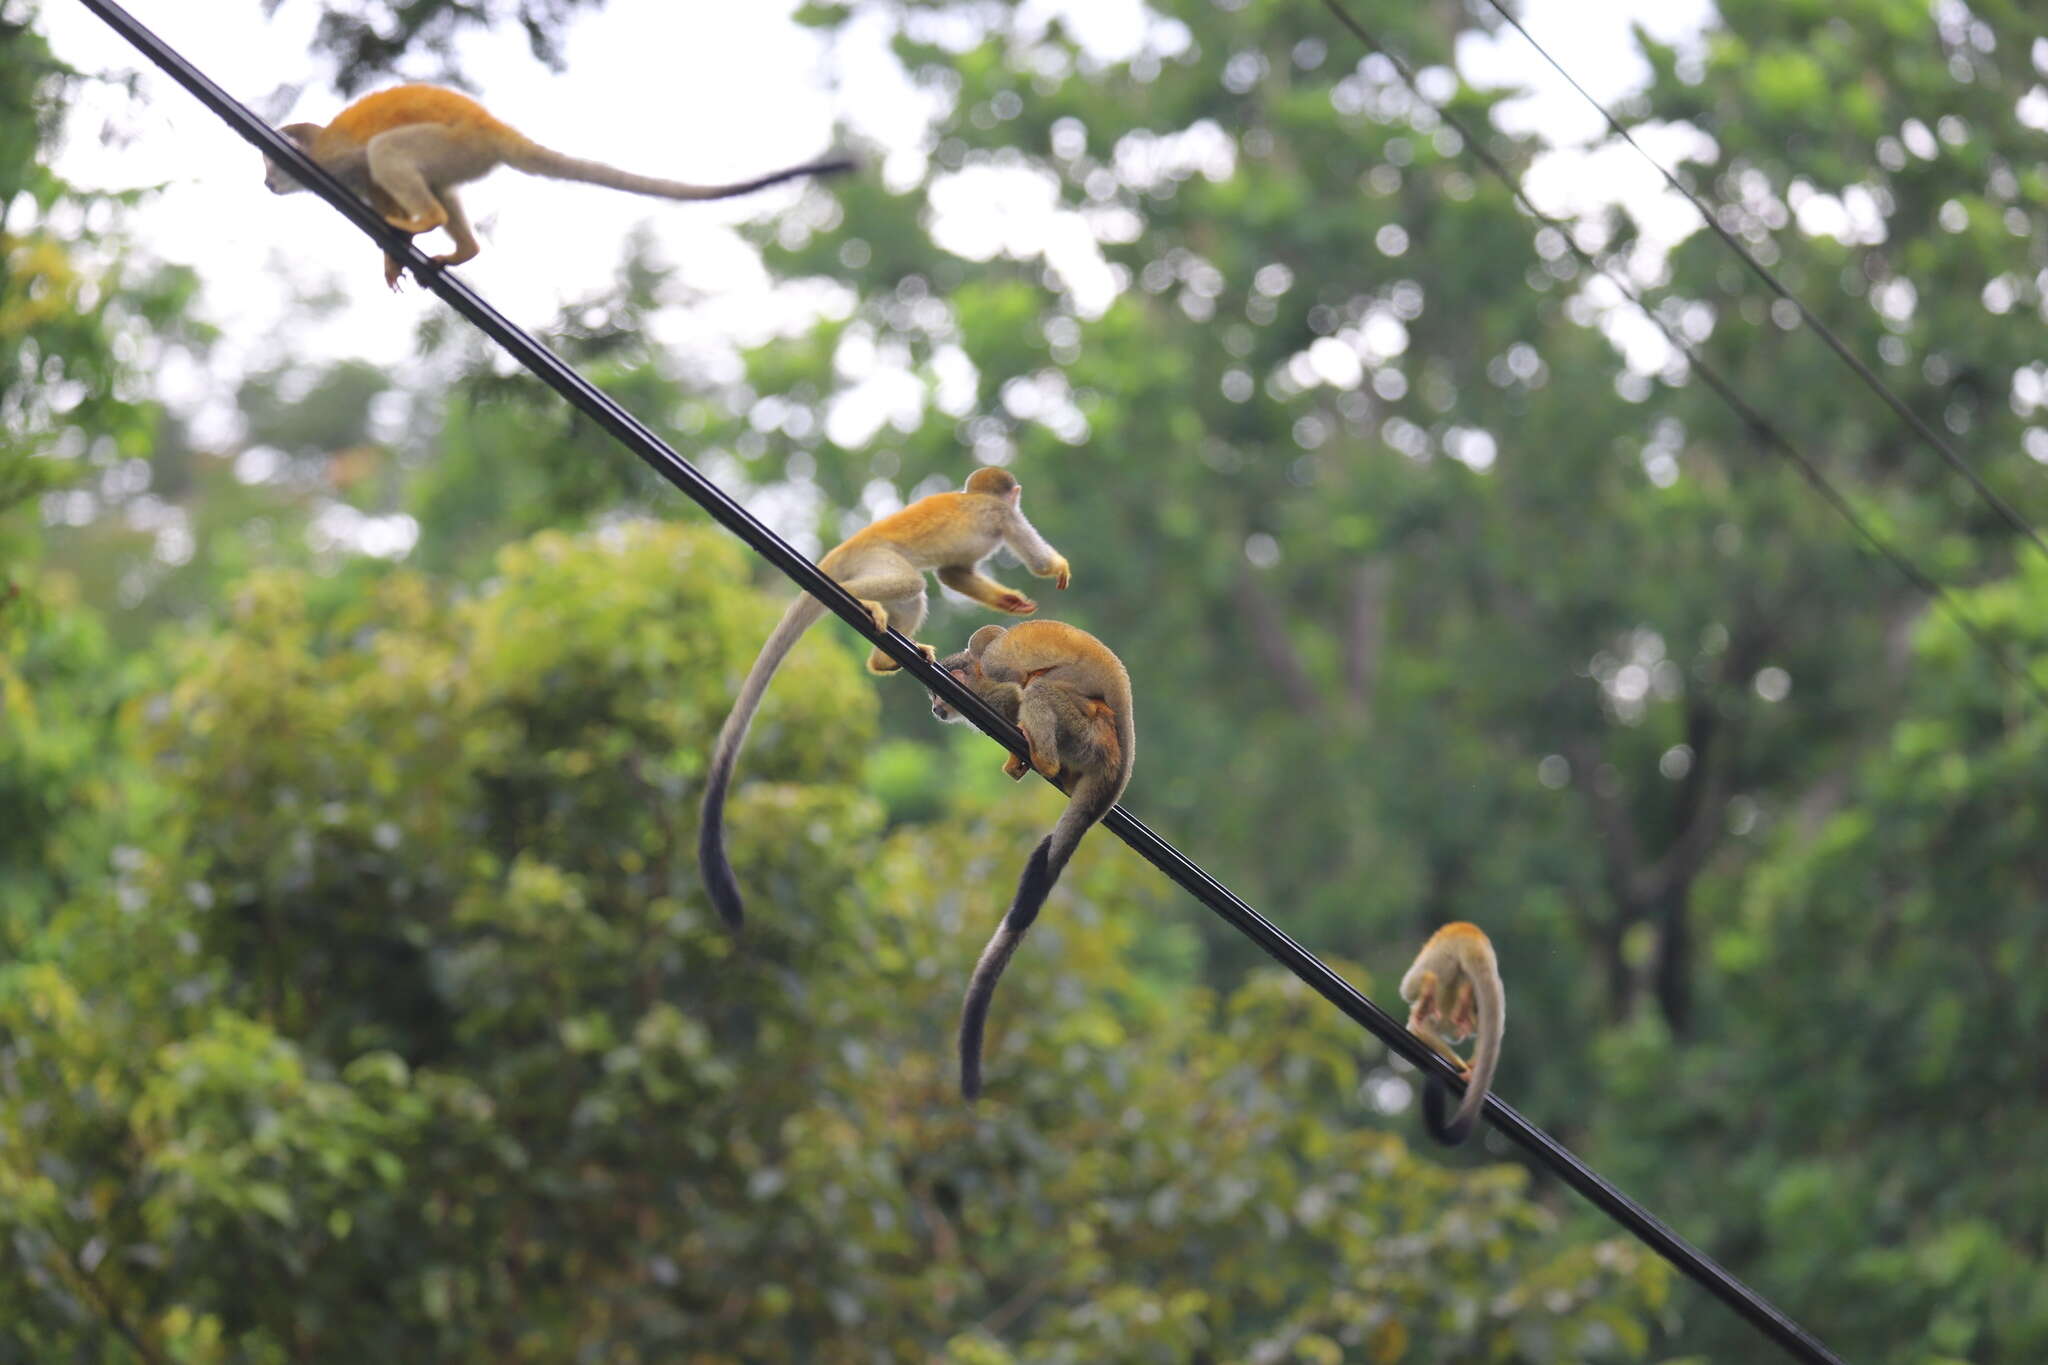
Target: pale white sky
705,90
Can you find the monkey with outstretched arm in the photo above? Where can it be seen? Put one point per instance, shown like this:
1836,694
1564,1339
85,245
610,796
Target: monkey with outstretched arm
1454,992
884,566
1072,699
406,149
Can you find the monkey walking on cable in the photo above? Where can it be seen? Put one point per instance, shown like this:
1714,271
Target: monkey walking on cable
1072,699
1454,992
884,566
406,149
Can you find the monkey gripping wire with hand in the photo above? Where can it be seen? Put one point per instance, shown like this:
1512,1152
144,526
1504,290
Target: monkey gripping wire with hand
658,455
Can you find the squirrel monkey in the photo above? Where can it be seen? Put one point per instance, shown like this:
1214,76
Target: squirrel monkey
1072,699
406,149
1454,991
884,566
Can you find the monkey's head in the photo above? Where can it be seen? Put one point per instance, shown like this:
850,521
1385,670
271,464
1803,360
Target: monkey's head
276,178
965,667
995,483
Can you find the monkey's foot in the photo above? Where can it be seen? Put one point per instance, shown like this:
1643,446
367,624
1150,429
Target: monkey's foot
1060,575
878,662
931,656
1014,768
1048,767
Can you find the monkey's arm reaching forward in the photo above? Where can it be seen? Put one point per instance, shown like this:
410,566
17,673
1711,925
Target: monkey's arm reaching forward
406,149
1072,699
884,566
1030,547
1022,537
1454,992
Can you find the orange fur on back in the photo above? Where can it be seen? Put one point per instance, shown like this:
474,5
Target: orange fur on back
912,522
407,104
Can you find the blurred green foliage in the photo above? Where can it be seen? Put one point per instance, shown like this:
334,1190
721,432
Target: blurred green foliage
357,995
71,398
405,1029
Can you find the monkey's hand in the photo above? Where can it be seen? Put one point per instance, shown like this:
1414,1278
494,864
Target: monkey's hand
931,656
877,613
1015,603
394,274
1060,573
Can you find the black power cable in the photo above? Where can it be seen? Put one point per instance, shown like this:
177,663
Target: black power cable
1270,938
1758,426
1870,377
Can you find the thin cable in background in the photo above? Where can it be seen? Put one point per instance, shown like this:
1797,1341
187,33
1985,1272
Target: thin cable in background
1759,426
1870,377
1542,1149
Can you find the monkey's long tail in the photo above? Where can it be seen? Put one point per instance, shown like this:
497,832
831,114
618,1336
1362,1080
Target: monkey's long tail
1092,798
535,159
1493,1011
711,860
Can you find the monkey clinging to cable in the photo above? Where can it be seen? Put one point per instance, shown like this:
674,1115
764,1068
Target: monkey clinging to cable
1454,991
406,149
1072,699
884,566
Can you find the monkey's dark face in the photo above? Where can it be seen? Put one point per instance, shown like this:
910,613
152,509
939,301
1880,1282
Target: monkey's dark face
276,178
965,669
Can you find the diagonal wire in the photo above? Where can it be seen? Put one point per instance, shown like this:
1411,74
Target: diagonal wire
1759,426
1269,937
1871,379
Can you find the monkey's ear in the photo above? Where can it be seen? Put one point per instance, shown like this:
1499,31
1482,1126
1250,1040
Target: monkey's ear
979,642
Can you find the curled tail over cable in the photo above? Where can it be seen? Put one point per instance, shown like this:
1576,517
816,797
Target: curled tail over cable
535,159
1092,798
711,861
1491,1001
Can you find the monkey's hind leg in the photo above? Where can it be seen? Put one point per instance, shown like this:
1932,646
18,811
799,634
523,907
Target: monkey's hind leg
1040,720
892,589
398,160
1464,1019
466,245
